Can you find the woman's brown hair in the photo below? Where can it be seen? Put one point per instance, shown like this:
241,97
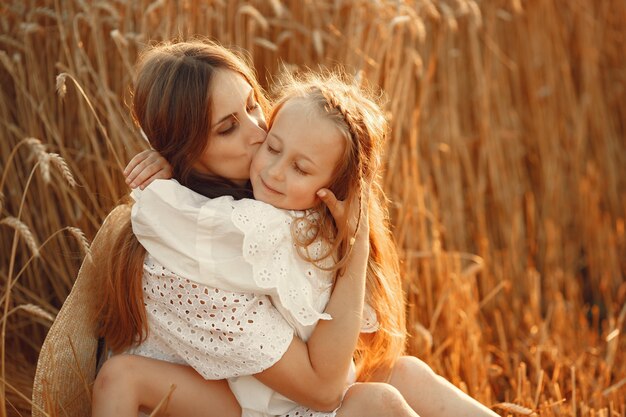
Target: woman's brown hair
355,111
172,105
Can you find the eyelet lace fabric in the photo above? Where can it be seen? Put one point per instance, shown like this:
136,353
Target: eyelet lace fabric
215,318
301,411
220,334
269,248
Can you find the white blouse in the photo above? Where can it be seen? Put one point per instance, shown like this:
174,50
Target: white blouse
235,245
225,288
221,334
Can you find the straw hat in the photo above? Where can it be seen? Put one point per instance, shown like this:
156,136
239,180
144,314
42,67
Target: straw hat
67,362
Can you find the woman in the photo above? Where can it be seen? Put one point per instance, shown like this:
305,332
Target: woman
342,331
187,93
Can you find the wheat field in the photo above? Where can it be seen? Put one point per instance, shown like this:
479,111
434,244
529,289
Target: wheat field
506,169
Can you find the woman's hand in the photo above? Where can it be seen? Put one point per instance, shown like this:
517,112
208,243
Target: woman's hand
325,359
352,217
146,167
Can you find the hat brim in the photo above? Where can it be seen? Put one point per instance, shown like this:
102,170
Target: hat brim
66,367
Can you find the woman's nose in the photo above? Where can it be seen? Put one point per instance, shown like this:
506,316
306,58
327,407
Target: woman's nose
257,133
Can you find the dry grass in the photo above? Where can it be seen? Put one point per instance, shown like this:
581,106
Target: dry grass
506,168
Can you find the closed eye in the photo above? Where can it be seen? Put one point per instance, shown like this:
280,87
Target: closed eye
230,129
299,170
253,106
270,149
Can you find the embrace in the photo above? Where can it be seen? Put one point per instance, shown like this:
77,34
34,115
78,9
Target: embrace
257,272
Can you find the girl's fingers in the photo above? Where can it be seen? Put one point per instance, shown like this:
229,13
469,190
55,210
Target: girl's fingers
163,174
136,166
145,167
137,159
146,174
134,176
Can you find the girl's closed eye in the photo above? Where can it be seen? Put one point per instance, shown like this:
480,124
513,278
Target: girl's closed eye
270,149
299,170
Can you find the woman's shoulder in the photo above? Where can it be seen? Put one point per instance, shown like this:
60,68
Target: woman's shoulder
172,192
164,199
258,211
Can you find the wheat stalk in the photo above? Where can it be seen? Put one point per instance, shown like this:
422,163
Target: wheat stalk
61,164
82,239
24,232
506,144
162,405
515,409
62,77
34,310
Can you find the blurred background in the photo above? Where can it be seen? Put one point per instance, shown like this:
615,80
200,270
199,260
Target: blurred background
506,170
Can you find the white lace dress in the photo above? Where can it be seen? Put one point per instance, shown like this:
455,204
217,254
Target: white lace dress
225,290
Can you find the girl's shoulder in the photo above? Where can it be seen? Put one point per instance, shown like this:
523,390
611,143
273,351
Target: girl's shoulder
248,212
253,217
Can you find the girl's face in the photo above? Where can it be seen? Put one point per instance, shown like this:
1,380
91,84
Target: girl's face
237,128
298,157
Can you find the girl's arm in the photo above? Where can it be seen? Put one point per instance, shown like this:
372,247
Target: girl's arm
322,362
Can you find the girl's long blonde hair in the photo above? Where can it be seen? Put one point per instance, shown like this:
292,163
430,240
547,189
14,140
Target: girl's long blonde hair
360,119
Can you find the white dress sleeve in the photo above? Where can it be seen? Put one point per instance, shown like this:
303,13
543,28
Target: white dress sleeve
277,268
164,219
235,245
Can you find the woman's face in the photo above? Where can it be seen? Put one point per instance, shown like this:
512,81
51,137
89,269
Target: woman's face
237,128
298,158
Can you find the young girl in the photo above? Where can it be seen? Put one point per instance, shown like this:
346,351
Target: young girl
287,171
188,94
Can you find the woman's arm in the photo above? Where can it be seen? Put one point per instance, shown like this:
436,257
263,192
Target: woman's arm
315,373
324,361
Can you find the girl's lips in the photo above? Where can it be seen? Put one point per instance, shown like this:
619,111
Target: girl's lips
270,189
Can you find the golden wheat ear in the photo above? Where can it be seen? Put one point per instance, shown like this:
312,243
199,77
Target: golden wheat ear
507,143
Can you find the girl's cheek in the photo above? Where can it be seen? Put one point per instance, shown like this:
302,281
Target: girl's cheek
254,163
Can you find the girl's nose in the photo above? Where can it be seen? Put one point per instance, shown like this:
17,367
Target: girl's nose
276,171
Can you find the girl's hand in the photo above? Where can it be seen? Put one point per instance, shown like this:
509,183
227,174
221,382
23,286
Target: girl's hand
146,167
